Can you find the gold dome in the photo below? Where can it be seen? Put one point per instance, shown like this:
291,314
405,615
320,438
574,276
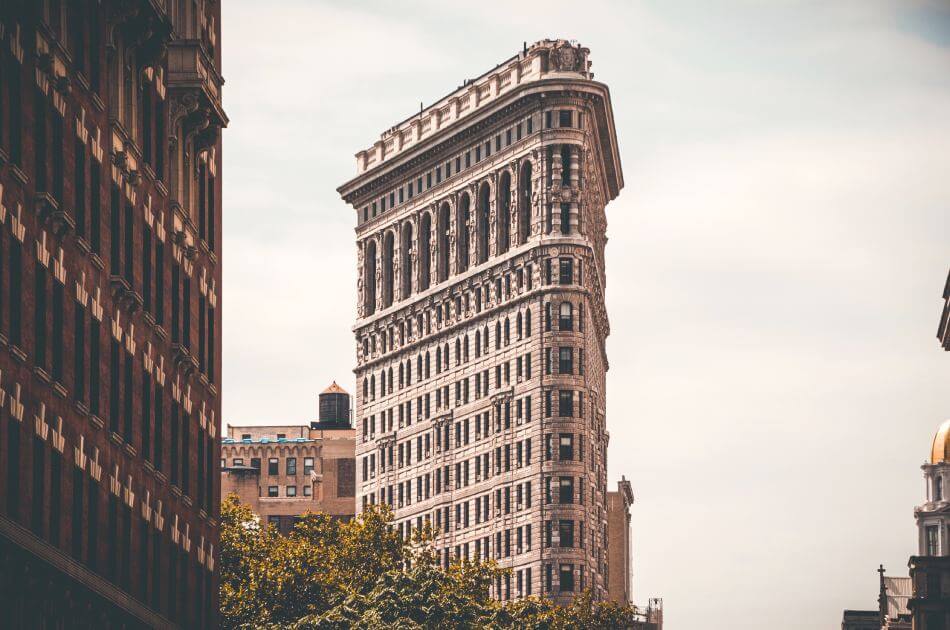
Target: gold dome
940,451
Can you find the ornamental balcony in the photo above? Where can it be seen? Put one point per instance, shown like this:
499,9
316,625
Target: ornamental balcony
191,70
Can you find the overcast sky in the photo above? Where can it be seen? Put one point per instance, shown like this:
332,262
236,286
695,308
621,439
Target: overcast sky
774,268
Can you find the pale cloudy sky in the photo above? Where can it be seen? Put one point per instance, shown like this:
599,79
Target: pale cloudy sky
775,261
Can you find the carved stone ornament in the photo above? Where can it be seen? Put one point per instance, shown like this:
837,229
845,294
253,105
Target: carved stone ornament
565,58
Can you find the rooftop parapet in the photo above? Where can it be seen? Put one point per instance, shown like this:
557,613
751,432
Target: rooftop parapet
548,58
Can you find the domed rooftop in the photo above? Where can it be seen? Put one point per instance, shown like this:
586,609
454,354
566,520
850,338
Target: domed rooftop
940,451
334,389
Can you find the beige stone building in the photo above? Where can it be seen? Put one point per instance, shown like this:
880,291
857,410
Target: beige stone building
620,561
284,471
481,328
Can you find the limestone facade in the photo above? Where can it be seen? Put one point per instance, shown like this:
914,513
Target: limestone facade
282,472
481,328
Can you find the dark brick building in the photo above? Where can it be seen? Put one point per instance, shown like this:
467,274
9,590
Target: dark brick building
110,313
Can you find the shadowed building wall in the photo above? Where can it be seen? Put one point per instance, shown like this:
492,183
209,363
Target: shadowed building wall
110,312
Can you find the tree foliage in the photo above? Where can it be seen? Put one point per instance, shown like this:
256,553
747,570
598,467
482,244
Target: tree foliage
331,574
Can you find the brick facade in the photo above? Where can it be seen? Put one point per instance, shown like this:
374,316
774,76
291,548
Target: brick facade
481,320
316,463
110,312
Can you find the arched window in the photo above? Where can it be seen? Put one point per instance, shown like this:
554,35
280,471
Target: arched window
458,351
408,371
524,203
442,248
369,277
419,367
425,231
519,325
365,348
547,317
365,388
507,331
389,379
427,364
497,335
438,361
382,382
402,375
478,344
372,387
405,264
565,320
527,323
388,249
503,213
445,355
465,348
461,227
481,223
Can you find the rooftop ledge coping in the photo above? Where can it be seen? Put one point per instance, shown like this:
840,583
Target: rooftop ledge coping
548,58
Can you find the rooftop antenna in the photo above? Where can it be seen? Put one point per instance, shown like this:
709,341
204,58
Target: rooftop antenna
420,108
525,44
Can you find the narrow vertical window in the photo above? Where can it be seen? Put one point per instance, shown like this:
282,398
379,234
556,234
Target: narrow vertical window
39,316
58,314
95,207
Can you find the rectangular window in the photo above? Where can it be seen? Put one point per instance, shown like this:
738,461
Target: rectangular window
566,533
291,491
59,310
39,316
77,515
79,187
565,490
291,465
566,578
272,491
564,118
79,352
307,465
565,363
933,545
159,429
273,466
94,375
566,271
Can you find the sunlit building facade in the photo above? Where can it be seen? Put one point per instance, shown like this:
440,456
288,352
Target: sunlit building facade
481,322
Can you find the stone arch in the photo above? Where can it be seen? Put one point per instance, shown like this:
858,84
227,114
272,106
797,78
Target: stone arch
462,234
503,213
389,249
425,249
524,202
483,214
442,245
369,277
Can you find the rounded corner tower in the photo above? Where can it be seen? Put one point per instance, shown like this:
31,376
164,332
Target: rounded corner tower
481,321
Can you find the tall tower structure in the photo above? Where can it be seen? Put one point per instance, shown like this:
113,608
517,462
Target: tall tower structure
481,324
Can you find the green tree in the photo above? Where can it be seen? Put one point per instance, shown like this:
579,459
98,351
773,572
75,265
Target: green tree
331,574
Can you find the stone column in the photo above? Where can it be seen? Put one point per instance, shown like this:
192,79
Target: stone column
514,226
453,241
379,271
